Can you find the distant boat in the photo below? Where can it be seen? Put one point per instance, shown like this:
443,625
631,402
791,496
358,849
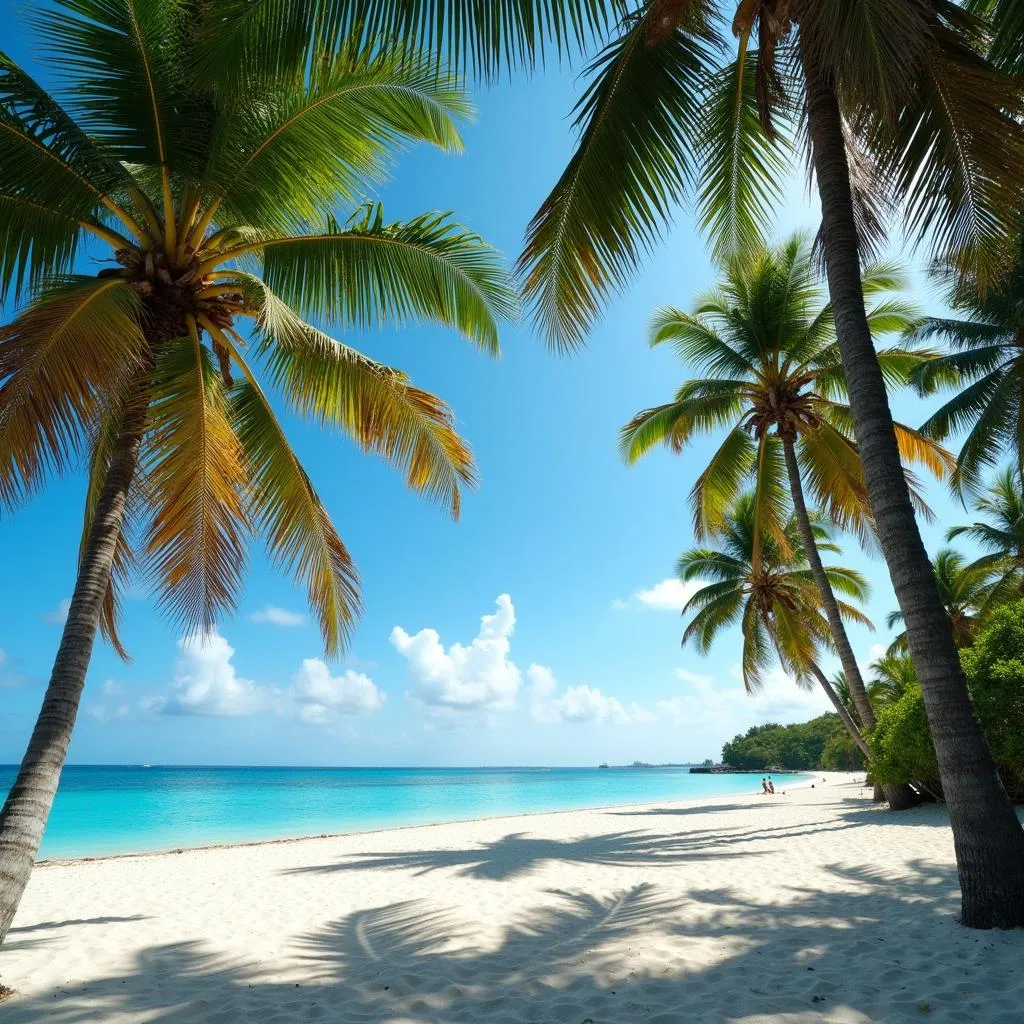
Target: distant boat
602,766
147,766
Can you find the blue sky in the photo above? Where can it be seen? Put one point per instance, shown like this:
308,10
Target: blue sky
564,550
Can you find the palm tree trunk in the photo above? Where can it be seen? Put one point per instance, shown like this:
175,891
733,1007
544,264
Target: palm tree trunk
900,798
27,807
987,836
829,604
844,715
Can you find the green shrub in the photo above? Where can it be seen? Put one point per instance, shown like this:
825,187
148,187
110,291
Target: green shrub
901,745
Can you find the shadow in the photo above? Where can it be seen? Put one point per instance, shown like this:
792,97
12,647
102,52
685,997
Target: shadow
679,812
48,925
871,945
520,852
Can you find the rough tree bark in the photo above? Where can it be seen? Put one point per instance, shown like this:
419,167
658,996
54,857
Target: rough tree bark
988,838
27,807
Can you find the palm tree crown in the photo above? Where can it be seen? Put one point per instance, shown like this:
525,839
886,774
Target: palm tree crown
964,590
764,342
1000,534
986,365
772,596
215,204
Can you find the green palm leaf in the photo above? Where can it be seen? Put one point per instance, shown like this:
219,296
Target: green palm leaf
637,120
427,269
196,478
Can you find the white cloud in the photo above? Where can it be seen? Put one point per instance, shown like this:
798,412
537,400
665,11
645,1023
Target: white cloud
59,615
877,651
706,706
577,703
206,683
669,595
319,693
275,616
477,676
111,688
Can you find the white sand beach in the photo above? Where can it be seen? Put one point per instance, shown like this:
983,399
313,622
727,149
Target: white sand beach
814,906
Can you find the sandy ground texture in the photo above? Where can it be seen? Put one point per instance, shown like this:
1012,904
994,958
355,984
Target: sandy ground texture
810,907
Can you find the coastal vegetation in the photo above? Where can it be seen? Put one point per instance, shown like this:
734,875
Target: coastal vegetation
212,208
822,744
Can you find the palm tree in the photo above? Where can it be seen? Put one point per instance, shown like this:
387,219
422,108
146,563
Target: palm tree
216,208
892,675
985,365
964,589
761,582
771,377
842,687
1002,536
902,111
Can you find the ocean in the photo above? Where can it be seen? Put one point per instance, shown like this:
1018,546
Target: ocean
132,808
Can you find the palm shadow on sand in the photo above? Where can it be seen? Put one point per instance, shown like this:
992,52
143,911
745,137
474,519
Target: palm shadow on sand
417,961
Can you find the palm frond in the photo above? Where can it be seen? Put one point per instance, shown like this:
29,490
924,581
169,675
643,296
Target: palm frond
743,170
285,509
377,406
281,161
196,471
637,119
77,341
426,269
717,487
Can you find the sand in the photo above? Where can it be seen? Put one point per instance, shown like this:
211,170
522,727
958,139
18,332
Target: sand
815,906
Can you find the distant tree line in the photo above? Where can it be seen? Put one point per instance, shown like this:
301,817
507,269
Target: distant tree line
823,743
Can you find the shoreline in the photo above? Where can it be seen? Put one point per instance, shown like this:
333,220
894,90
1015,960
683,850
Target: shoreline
48,862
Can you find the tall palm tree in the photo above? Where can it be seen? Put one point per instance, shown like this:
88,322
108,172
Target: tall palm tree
964,589
771,377
761,582
216,208
1001,535
985,365
902,111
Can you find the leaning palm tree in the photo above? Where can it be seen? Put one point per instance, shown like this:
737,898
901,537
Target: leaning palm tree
215,209
1000,535
761,582
985,365
965,590
772,378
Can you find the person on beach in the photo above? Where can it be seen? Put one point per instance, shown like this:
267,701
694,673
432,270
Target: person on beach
764,786
771,786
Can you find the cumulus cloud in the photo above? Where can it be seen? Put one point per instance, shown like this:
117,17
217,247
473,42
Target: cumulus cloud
577,703
206,683
101,713
112,688
59,615
476,676
669,595
274,616
319,694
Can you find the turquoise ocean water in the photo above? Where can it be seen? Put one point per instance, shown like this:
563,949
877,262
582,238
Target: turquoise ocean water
124,809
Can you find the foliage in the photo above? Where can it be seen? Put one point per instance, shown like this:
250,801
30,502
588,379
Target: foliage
799,746
985,364
764,344
901,744
211,201
774,601
964,590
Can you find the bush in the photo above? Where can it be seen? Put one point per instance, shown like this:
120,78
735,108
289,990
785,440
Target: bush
901,745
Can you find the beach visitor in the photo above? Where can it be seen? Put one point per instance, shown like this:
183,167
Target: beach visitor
764,786
771,786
